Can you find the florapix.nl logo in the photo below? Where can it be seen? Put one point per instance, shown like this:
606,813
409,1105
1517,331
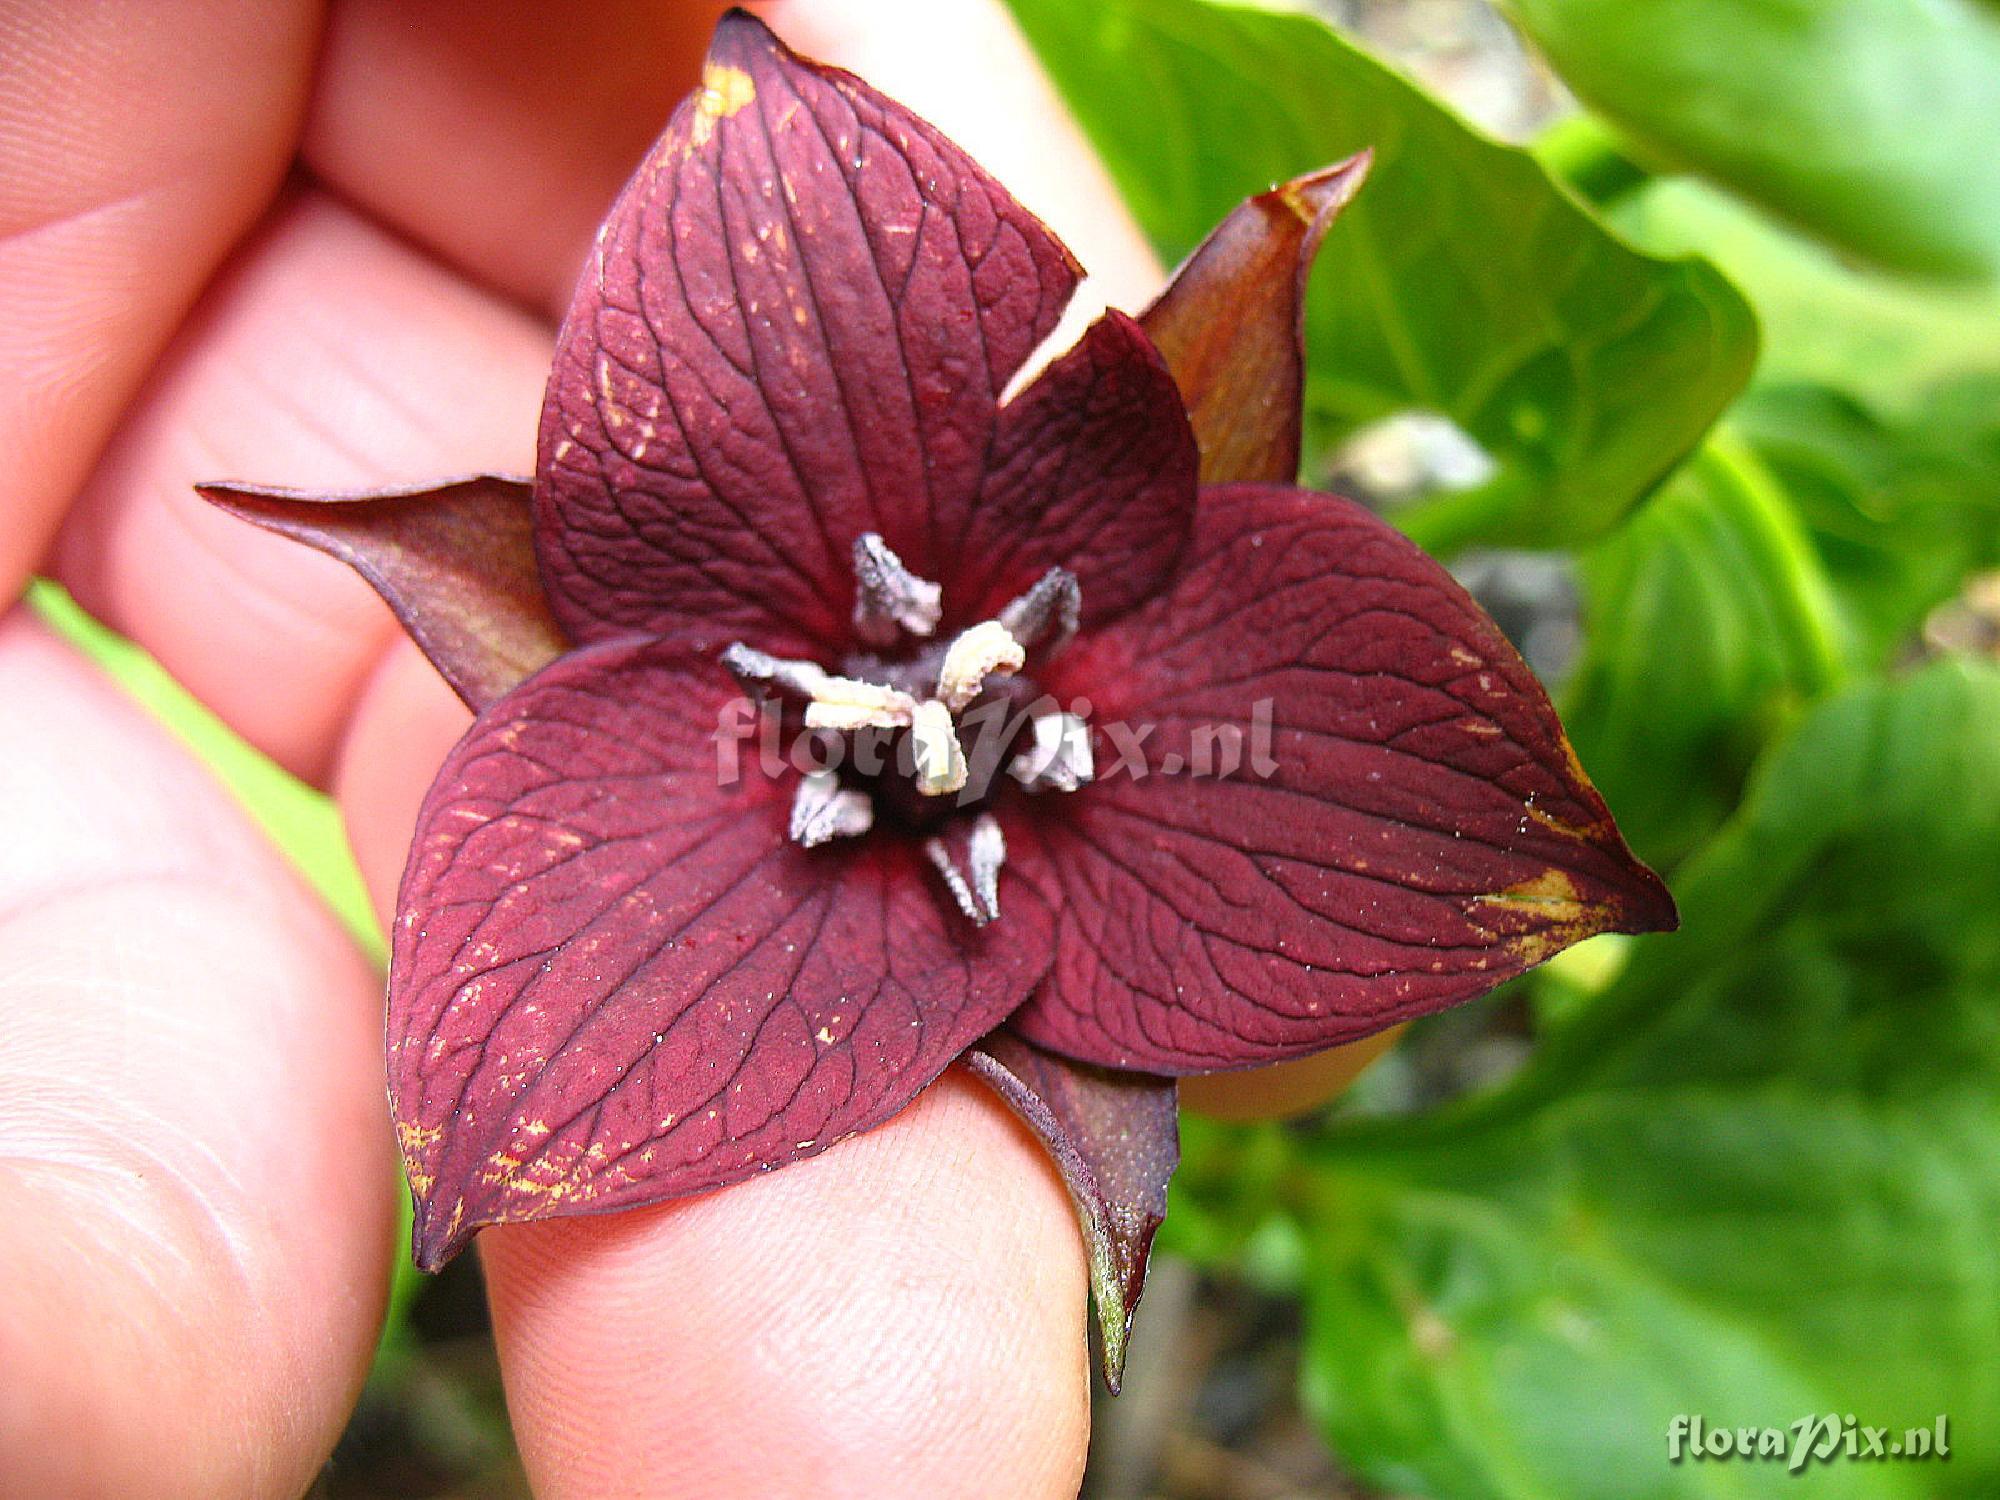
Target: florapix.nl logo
1821,1438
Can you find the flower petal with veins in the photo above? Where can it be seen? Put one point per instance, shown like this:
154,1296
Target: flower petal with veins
1093,471
613,981
1420,832
795,329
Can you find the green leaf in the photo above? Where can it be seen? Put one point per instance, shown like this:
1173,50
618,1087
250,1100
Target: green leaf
1871,123
1872,336
1709,622
1756,1180
1899,511
1461,281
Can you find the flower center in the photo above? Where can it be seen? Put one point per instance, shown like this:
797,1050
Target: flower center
898,724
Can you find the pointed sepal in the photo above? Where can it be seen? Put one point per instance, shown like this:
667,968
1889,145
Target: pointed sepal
455,561
1231,325
1115,1137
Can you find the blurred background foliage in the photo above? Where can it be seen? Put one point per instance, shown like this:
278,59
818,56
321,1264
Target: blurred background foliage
1697,383
1720,343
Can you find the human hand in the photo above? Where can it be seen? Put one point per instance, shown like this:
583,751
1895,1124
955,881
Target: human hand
248,242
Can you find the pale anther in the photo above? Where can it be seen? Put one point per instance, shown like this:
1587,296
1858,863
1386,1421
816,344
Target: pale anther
940,759
1059,757
985,649
888,596
977,892
1046,616
849,703
823,809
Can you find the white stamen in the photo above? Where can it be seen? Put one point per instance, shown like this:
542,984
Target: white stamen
1047,612
749,665
940,759
831,702
889,596
986,648
986,852
1060,758
849,703
823,809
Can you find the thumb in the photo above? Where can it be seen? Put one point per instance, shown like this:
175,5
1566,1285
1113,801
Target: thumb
901,1316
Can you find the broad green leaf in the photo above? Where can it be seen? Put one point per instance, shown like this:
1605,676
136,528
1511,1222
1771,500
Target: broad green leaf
1899,511
1824,321
1809,541
1461,281
1756,1180
1871,123
1708,621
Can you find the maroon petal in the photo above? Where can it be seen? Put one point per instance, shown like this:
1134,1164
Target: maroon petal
796,328
614,980
1115,1138
1093,469
455,561
1231,325
1412,830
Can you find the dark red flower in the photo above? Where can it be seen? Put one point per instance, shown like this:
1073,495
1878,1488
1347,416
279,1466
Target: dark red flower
1168,773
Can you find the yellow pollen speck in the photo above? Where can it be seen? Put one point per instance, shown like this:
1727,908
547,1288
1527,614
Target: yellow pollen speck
416,1139
1550,888
1551,902
724,90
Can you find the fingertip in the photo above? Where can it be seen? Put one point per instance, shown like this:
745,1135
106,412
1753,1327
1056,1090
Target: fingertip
404,723
904,1315
195,1202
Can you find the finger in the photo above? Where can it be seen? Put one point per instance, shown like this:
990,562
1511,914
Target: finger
462,123
328,356
137,142
901,1316
195,1172
406,721
496,134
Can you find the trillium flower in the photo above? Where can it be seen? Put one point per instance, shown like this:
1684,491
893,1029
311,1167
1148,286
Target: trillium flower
844,711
